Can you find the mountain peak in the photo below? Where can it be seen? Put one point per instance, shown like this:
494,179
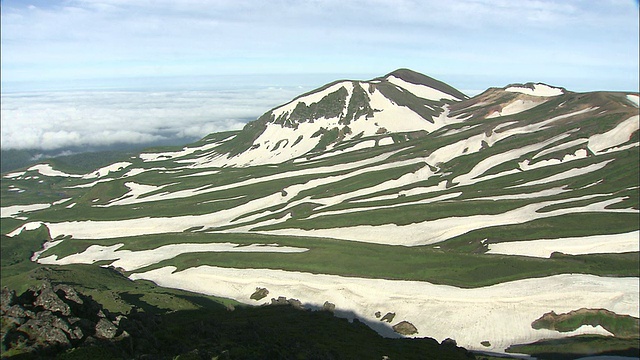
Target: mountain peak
417,78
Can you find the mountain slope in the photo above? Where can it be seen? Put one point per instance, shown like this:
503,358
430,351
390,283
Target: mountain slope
395,195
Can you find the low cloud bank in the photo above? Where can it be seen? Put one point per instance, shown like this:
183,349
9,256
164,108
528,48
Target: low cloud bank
64,119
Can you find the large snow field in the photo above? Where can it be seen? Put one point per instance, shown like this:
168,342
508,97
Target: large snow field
595,244
132,260
501,314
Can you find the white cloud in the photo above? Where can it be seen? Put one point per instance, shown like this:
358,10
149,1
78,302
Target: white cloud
57,120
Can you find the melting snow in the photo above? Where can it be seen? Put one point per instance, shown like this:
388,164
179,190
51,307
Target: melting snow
596,244
462,314
620,134
133,260
13,210
538,90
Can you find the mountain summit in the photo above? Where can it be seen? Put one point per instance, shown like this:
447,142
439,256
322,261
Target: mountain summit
344,110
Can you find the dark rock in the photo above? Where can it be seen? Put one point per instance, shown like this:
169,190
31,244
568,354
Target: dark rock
378,314
388,317
17,311
67,292
280,301
49,300
449,342
7,298
327,306
259,294
44,333
405,328
296,304
49,319
105,329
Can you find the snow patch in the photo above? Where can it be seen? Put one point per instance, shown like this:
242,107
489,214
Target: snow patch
618,135
13,210
595,244
538,90
132,260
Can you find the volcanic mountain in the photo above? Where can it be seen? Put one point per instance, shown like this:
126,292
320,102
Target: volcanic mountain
398,201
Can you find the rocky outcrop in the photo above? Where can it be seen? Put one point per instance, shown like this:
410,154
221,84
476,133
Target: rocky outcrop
47,319
281,300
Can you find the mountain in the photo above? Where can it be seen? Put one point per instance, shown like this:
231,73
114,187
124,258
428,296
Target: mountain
398,201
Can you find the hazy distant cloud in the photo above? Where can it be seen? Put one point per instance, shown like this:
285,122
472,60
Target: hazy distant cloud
57,120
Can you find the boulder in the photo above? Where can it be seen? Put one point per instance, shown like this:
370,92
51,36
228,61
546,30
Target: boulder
67,292
44,333
49,300
388,317
105,329
405,328
259,294
327,306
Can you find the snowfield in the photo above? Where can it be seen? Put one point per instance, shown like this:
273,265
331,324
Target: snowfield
133,260
437,311
596,244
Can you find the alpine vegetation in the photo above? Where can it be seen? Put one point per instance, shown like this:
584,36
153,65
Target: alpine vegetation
399,201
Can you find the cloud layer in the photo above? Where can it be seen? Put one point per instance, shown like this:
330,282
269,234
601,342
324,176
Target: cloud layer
58,120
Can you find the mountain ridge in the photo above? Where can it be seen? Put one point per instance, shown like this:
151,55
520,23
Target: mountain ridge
498,201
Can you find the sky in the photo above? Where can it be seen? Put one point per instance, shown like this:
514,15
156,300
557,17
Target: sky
120,52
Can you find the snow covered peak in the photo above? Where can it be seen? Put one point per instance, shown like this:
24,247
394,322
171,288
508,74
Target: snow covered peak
536,90
422,91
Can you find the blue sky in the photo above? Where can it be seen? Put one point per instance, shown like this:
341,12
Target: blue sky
472,44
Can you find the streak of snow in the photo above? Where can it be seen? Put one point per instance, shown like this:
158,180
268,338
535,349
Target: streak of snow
434,231
13,210
538,90
133,260
595,244
148,157
566,174
27,227
618,135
